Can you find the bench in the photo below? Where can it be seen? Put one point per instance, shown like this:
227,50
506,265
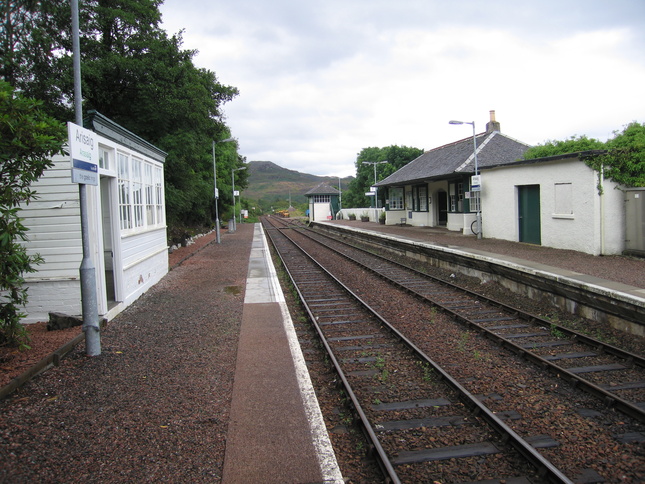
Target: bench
403,220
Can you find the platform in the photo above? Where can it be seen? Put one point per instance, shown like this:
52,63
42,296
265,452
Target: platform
609,287
276,430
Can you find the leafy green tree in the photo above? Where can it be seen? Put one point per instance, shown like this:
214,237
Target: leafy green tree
621,159
28,140
624,160
571,145
396,157
32,49
135,74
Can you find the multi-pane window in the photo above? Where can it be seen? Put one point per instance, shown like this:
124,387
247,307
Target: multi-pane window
124,191
420,198
322,198
475,202
456,197
140,186
137,192
396,198
148,183
104,159
158,181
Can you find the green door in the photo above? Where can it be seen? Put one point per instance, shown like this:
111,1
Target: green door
529,214
335,207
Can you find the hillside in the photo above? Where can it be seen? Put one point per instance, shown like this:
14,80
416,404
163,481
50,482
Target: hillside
273,184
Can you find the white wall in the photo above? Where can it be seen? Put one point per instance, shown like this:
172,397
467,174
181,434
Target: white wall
54,223
319,212
581,230
53,220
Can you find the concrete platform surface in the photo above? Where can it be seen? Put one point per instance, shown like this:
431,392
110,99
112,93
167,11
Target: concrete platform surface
276,432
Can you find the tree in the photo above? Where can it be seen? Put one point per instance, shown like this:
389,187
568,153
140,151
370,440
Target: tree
31,45
396,157
572,145
624,160
135,74
28,140
621,159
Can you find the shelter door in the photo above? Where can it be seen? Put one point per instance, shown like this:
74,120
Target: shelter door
108,243
529,214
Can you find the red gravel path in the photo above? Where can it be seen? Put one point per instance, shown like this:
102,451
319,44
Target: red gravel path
154,406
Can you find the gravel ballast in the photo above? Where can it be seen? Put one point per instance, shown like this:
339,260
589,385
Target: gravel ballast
154,406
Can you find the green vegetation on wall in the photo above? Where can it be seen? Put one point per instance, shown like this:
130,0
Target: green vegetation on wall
621,159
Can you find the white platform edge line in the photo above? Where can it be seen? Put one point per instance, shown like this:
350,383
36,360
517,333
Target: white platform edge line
324,450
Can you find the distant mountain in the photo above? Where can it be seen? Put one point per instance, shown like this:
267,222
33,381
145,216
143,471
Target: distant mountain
271,183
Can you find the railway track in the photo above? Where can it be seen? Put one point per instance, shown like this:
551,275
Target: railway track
611,374
377,365
474,312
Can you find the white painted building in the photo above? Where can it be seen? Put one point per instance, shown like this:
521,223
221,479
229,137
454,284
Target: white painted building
550,201
435,189
554,202
127,227
323,202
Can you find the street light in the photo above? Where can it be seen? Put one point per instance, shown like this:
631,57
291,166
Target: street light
478,217
219,241
375,163
233,184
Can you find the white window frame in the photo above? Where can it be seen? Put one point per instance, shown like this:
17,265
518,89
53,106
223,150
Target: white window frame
141,198
420,198
563,200
396,198
123,174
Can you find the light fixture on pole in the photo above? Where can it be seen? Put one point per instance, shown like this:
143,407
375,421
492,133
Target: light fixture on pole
478,217
233,184
219,240
375,163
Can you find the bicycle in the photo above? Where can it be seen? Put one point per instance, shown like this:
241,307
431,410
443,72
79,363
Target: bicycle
473,226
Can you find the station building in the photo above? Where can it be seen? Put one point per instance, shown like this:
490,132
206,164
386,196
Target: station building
553,201
127,226
323,202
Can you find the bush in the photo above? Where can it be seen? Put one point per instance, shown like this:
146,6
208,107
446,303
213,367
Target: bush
28,140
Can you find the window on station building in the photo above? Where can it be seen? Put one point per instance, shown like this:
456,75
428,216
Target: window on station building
475,202
137,191
563,203
124,191
420,198
140,187
148,183
322,198
105,158
157,176
396,198
456,197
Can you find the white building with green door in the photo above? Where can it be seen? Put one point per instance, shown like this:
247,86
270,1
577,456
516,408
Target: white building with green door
323,203
555,202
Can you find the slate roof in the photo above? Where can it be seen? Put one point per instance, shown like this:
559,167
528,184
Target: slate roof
448,161
322,189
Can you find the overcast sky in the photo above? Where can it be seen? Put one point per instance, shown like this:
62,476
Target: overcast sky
320,80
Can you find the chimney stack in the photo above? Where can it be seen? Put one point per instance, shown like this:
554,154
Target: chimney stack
492,125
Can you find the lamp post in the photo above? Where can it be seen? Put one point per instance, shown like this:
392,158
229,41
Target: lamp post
375,163
478,217
219,240
233,184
